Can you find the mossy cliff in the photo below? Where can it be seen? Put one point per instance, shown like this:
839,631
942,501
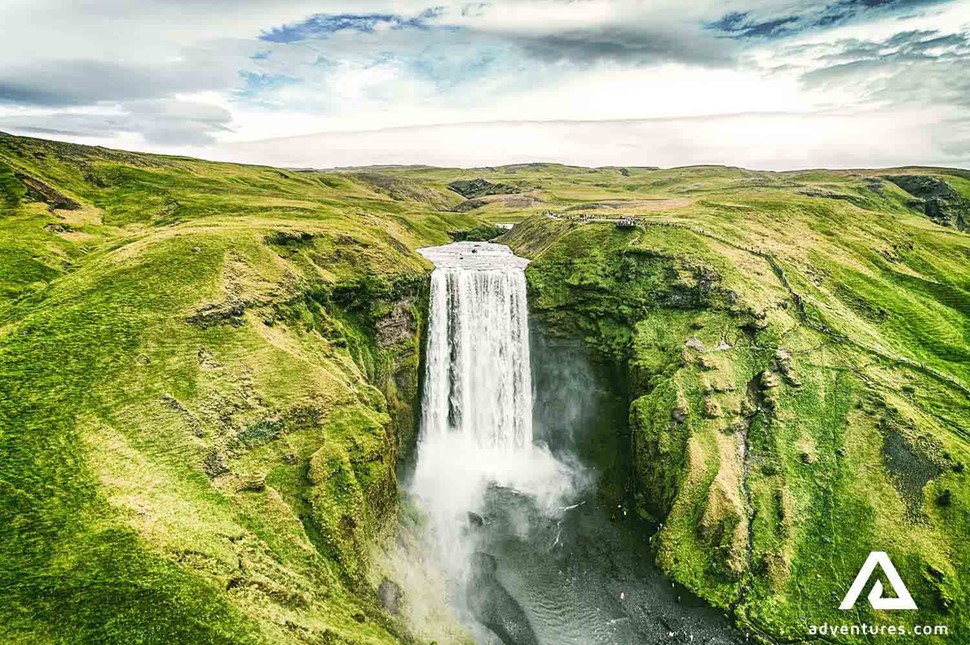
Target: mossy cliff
206,373
798,369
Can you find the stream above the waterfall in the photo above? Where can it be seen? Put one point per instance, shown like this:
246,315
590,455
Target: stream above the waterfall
521,472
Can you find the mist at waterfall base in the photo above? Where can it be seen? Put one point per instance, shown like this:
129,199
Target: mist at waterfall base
521,475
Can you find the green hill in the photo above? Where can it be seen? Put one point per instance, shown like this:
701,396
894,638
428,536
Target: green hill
797,347
208,373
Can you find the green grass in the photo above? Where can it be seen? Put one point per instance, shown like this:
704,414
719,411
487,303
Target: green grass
721,359
200,415
113,402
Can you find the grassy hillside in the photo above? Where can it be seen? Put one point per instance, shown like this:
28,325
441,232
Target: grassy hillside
208,372
797,347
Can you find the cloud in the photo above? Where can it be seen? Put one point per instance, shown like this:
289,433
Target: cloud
354,64
471,33
630,45
910,67
165,122
779,22
85,82
177,122
179,73
322,25
446,59
741,25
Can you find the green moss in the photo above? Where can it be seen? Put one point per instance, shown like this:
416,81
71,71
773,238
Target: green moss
11,189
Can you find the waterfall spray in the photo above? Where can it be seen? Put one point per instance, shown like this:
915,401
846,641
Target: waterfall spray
522,550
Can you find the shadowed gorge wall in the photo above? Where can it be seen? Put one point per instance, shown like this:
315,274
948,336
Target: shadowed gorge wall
580,410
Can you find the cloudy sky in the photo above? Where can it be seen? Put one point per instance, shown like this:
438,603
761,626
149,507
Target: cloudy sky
759,83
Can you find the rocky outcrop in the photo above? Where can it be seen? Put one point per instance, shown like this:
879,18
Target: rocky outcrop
215,464
398,326
471,188
389,593
224,313
937,199
41,192
514,201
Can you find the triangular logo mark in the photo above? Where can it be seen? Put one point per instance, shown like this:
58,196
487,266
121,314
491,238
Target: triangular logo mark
902,600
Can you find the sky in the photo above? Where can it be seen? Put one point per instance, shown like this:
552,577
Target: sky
768,84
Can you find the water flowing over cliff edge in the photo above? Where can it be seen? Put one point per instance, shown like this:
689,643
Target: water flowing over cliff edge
477,403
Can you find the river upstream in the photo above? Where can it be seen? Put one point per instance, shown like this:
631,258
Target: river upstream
520,473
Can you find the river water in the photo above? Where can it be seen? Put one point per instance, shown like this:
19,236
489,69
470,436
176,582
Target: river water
519,471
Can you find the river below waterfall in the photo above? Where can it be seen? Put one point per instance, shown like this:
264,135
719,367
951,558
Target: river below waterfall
521,473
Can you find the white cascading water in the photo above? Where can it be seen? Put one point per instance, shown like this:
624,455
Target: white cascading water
478,381
476,428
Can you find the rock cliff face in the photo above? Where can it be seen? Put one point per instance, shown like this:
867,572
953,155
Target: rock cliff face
779,431
471,188
937,199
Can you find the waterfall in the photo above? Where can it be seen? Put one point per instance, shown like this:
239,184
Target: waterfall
476,420
478,382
